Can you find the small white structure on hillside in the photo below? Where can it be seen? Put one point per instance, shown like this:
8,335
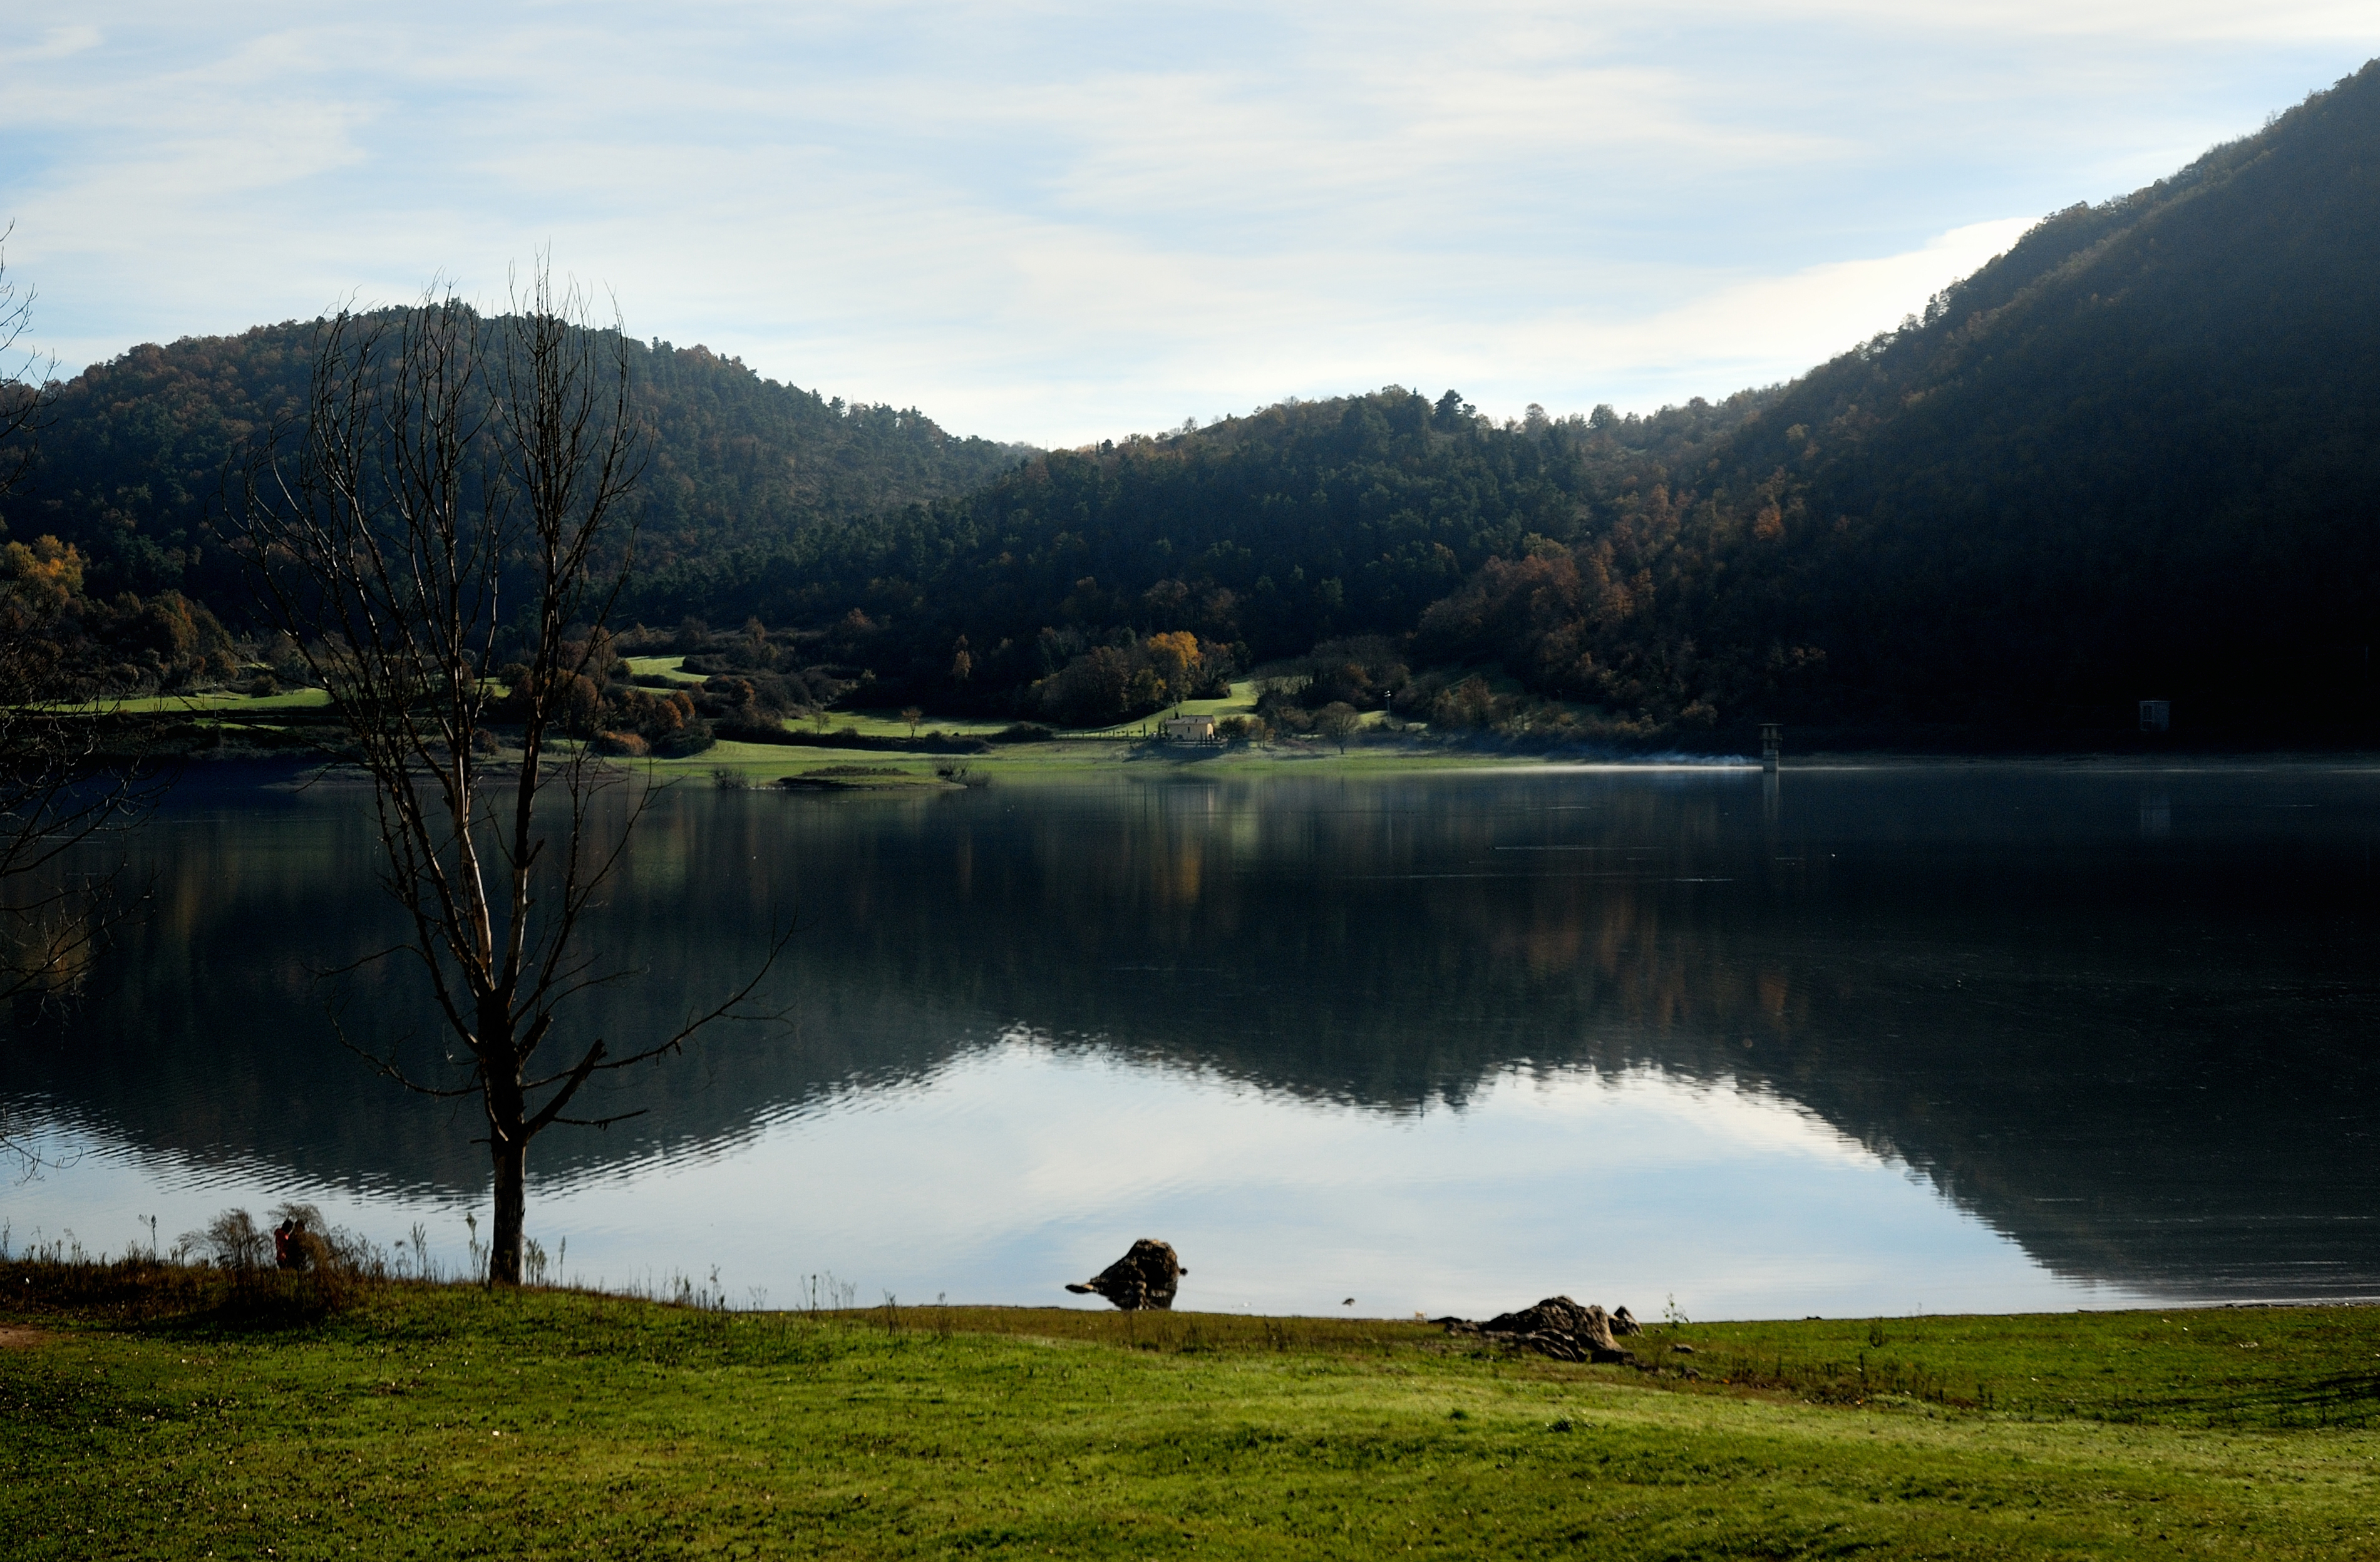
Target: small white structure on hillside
1188,729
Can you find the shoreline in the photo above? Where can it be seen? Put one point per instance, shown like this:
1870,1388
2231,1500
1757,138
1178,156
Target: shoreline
227,726
761,765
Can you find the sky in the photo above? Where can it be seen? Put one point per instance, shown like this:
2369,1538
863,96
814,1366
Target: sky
1057,223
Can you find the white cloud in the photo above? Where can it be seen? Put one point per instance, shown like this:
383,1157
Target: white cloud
57,44
2134,21
1739,333
1059,222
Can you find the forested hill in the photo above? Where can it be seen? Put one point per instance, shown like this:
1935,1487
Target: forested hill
1263,535
129,468
2137,457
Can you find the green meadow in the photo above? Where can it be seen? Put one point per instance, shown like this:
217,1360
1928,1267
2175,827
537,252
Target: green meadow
149,1413
223,702
246,723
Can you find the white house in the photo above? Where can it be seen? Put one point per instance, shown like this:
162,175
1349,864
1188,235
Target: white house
1188,729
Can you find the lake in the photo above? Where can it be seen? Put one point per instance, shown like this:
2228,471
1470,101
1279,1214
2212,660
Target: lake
1848,1041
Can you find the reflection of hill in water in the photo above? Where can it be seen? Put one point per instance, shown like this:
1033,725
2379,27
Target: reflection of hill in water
2141,1053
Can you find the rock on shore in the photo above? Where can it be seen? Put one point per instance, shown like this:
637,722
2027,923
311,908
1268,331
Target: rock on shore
1148,1276
1556,1328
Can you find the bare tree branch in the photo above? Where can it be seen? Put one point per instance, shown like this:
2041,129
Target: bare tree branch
385,1066
26,383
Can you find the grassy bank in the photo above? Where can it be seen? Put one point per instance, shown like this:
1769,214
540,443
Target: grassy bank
427,1421
759,764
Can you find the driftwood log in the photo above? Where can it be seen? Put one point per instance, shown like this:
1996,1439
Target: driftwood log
1556,1328
1146,1276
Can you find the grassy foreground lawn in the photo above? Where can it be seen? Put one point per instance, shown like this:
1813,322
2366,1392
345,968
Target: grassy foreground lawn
444,1421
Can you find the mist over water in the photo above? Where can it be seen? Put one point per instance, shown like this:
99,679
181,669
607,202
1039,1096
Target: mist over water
1842,1041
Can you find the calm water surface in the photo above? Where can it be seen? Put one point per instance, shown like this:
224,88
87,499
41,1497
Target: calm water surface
1844,1041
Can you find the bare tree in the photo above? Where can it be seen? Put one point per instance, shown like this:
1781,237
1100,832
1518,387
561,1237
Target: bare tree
447,464
24,378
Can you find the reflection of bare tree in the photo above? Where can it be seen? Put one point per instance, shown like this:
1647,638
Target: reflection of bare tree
445,462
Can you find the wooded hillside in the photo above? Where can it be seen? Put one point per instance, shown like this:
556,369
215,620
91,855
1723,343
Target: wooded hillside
2137,457
131,466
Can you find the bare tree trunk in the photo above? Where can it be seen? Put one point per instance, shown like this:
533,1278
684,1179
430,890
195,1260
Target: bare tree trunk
508,1158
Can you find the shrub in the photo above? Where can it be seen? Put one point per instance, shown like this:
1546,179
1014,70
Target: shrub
1468,705
331,1265
232,1241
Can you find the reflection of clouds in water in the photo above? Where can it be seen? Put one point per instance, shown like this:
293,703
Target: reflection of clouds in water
58,1143
1022,1164
1017,1166
1010,1168
104,1190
